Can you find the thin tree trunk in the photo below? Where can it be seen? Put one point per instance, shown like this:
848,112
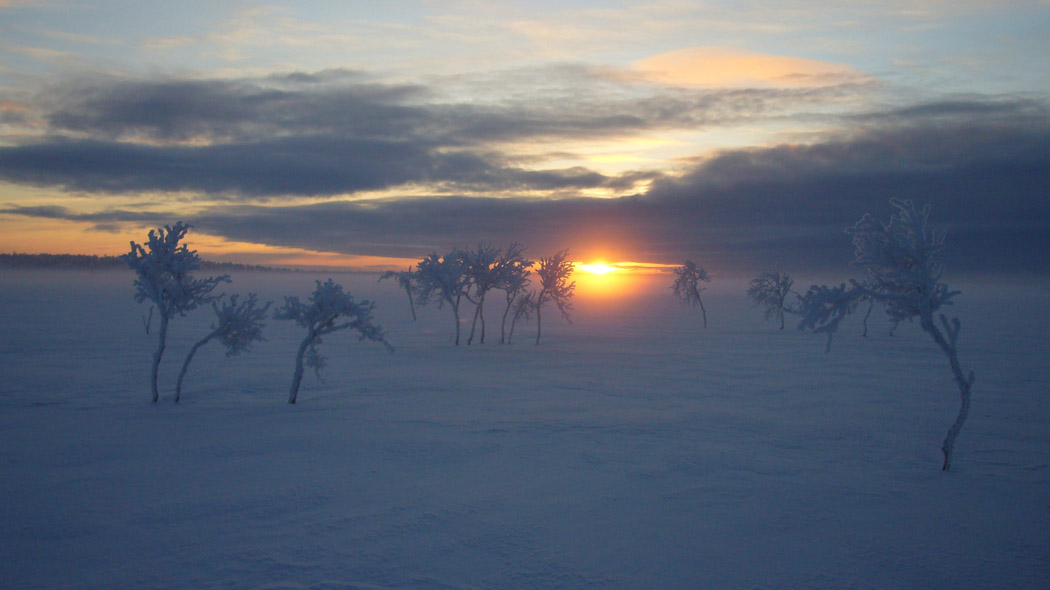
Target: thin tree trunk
538,324
161,344
455,313
186,364
297,377
702,310
481,314
503,324
474,323
871,306
411,304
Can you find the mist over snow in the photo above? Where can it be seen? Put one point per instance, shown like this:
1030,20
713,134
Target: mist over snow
631,449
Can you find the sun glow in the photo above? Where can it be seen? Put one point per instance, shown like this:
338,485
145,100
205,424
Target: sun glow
604,281
598,268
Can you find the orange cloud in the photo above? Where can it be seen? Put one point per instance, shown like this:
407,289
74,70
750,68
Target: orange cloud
723,66
11,106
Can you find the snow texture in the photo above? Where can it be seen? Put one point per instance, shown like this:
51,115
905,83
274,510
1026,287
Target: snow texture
633,450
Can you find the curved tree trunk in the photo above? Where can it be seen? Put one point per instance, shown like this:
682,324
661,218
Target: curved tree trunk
702,310
297,377
186,364
947,343
161,344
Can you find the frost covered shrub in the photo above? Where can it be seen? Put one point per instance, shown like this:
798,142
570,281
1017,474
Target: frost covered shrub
554,273
237,326
482,277
770,289
524,304
329,309
441,280
903,275
407,280
512,270
164,276
687,285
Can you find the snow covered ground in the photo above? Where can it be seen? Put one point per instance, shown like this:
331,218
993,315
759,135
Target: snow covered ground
632,449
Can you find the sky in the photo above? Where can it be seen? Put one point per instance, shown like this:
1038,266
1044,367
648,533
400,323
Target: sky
743,135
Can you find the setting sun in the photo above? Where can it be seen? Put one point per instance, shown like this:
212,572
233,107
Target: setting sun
597,268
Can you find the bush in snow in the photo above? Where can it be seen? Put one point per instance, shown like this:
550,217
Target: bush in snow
554,273
237,326
770,289
687,285
406,279
441,280
904,275
163,267
329,309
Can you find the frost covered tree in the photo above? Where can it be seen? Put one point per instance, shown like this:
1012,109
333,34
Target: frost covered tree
770,290
524,304
687,285
512,269
406,279
237,326
900,258
441,280
482,276
554,273
164,276
329,309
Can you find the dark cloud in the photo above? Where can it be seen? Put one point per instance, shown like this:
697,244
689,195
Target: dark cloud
109,217
300,166
346,104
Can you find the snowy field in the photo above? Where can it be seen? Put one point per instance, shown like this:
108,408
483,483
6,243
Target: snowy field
631,449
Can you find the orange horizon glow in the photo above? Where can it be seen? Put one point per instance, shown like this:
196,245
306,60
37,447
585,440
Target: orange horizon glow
613,280
594,278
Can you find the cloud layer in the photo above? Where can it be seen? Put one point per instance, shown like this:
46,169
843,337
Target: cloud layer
284,160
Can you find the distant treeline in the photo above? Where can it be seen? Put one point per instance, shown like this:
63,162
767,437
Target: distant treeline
94,262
